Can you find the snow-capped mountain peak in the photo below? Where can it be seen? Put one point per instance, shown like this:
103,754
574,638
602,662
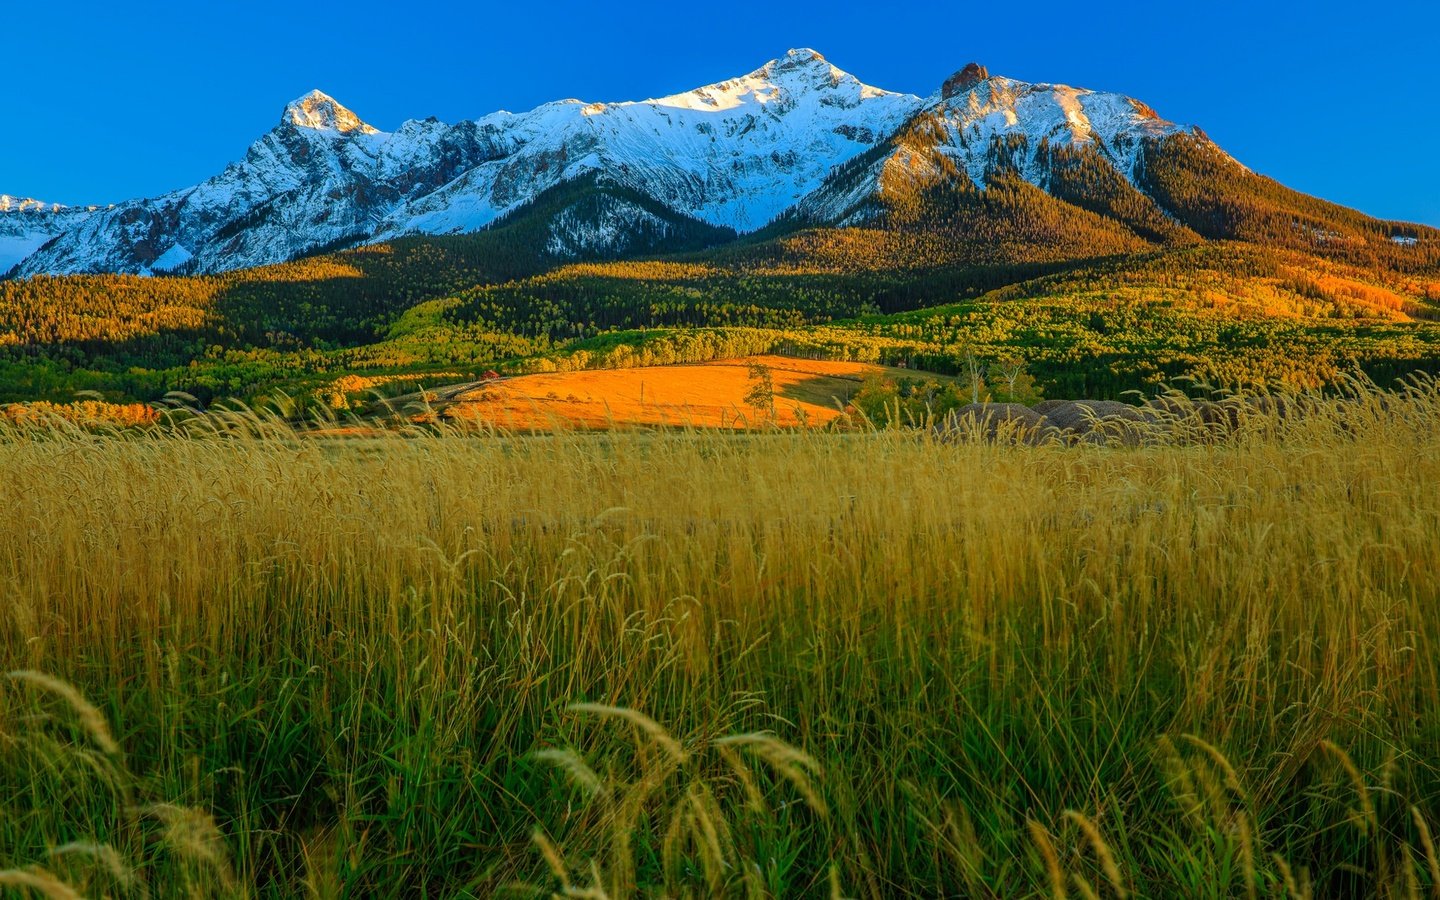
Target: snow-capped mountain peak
975,108
796,73
321,112
800,56
802,59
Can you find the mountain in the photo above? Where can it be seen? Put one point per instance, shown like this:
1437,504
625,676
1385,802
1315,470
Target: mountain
992,169
321,177
986,170
733,154
978,126
26,225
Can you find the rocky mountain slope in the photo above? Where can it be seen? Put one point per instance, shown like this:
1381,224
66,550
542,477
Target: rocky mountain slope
26,225
977,126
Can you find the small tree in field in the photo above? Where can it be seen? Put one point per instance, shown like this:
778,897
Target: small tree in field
974,374
1014,380
760,394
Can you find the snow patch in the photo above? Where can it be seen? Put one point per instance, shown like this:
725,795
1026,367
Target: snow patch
172,259
16,248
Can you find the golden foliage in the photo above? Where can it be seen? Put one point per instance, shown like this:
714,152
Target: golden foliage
81,412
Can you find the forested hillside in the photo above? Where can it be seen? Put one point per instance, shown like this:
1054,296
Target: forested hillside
1210,193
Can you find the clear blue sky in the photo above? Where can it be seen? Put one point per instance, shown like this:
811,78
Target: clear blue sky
105,101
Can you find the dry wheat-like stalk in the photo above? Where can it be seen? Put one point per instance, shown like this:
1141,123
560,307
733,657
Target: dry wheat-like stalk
103,854
1053,870
1264,581
1083,886
1102,850
193,835
794,765
1247,855
574,767
91,720
652,729
1221,761
1293,889
41,882
552,856
1427,843
1357,781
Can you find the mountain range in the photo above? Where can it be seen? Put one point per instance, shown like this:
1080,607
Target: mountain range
796,141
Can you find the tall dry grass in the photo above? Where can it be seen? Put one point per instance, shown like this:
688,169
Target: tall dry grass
869,664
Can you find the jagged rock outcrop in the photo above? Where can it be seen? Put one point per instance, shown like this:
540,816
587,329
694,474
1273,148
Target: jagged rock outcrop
964,80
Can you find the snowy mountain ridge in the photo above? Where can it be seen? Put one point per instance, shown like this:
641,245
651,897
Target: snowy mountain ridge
26,204
27,224
736,154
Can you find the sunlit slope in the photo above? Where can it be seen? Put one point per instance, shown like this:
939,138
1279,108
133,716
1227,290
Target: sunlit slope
1212,194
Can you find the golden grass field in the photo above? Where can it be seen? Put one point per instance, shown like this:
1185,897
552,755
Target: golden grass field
697,663
708,395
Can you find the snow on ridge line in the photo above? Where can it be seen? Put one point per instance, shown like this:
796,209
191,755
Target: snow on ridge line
12,204
318,110
27,204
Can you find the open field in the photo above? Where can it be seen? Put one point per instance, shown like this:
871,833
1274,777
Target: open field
698,663
710,395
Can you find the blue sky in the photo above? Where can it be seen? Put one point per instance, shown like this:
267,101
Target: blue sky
105,101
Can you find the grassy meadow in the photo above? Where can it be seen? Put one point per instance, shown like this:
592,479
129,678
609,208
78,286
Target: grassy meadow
248,662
